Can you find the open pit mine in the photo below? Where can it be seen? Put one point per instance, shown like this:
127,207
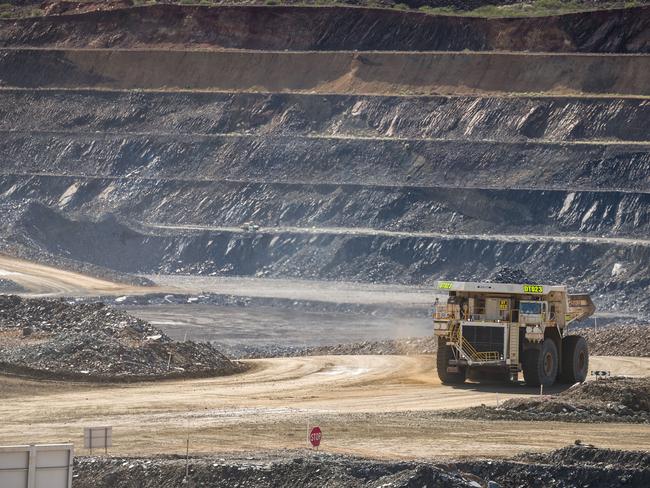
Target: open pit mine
342,244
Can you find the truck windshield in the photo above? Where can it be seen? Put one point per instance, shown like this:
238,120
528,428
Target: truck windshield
530,308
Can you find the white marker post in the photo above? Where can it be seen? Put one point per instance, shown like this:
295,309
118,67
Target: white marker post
187,451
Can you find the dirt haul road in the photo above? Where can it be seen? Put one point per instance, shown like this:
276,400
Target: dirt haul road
382,406
45,281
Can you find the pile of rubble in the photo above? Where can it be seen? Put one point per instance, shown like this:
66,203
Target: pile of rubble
569,467
8,286
303,469
511,275
614,399
53,338
407,346
578,465
618,340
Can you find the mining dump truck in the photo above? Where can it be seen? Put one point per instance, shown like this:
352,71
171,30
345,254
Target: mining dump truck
490,330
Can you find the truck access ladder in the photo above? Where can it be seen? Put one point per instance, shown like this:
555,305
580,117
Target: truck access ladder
467,350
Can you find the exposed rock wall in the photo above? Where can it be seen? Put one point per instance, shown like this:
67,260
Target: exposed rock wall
467,118
334,28
394,187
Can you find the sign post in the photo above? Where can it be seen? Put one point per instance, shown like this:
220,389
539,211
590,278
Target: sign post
98,437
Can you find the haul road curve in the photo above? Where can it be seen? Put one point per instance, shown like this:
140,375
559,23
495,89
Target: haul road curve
378,406
45,281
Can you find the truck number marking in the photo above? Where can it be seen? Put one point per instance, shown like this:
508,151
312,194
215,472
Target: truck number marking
533,289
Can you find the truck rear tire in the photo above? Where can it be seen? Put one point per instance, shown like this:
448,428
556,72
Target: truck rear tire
575,359
442,362
541,365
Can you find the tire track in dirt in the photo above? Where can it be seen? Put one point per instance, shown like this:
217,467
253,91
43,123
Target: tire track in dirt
374,405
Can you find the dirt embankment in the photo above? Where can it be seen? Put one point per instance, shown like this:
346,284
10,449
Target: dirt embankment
614,399
568,467
328,72
302,469
625,339
572,466
331,28
407,346
54,339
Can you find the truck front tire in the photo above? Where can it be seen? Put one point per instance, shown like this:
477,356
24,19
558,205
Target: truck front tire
575,359
541,365
443,356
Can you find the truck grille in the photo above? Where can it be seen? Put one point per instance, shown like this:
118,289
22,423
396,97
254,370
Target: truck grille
484,339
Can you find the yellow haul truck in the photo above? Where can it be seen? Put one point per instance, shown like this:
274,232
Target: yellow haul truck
505,328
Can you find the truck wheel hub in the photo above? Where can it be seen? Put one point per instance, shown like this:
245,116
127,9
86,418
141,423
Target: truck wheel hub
548,363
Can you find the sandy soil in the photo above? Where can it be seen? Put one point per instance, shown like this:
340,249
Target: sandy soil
42,280
45,281
371,405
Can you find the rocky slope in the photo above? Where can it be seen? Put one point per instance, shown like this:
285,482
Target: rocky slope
331,28
9,286
568,467
47,338
338,254
392,187
614,399
469,118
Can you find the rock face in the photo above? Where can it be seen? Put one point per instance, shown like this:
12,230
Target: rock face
336,28
511,275
48,338
404,185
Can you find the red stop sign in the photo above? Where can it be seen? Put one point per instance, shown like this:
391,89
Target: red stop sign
315,436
